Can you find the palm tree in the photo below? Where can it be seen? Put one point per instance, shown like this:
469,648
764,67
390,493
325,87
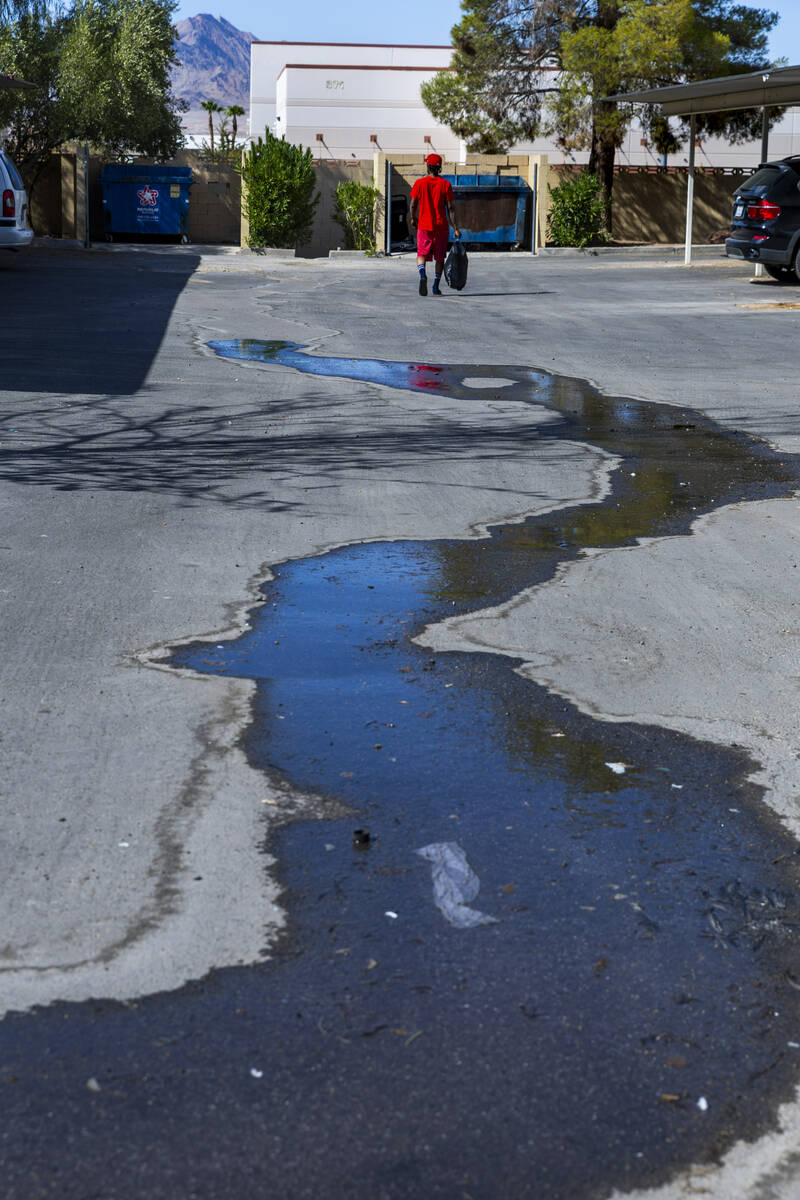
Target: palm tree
211,107
233,111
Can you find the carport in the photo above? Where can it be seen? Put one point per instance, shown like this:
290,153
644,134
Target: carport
773,88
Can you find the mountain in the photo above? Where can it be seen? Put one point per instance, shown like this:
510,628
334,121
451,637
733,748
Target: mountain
213,64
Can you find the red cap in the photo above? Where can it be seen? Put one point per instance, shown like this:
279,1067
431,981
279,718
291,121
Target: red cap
434,160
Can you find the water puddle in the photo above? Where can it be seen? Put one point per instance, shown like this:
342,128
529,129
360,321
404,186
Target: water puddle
625,1003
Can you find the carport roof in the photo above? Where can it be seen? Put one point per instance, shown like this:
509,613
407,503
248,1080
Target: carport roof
769,88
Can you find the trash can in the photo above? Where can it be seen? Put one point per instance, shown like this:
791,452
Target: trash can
153,201
491,209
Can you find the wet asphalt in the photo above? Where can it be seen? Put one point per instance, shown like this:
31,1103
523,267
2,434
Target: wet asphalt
630,1008
657,903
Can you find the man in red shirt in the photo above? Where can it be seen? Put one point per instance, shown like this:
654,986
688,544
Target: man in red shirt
431,205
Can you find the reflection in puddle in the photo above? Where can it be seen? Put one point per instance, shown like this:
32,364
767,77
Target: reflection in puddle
645,919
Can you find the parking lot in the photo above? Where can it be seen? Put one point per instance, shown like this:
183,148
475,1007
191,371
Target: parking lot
150,486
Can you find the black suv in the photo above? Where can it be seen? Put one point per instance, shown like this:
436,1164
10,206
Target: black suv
765,226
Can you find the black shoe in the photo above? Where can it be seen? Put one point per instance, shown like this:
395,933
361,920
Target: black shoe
436,290
423,285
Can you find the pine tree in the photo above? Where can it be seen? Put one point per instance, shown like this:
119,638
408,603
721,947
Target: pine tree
524,67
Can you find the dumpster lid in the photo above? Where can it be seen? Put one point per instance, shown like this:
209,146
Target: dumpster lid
141,173
494,183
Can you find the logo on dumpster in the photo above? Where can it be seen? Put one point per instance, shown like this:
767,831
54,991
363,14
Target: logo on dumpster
148,196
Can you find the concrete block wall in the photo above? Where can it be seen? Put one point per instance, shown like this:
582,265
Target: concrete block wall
328,233
214,200
649,205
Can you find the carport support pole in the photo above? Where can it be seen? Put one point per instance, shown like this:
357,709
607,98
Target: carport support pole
759,271
690,190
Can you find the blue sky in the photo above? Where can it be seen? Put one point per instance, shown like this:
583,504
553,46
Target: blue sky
425,22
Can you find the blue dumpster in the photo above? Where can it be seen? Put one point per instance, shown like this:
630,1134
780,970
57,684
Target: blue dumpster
491,209
145,200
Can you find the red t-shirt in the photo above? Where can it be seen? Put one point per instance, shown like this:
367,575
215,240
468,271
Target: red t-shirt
432,192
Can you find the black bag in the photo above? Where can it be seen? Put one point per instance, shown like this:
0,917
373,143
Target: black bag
455,267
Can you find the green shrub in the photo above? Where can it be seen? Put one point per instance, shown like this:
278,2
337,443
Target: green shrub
577,212
355,212
278,194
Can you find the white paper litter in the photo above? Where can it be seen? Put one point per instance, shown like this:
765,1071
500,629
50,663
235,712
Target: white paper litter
617,768
454,883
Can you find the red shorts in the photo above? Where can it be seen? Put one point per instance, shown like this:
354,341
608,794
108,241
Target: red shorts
432,244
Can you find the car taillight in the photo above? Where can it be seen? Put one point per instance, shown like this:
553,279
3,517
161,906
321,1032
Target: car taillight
8,203
762,210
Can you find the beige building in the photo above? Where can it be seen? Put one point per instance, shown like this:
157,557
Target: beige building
347,100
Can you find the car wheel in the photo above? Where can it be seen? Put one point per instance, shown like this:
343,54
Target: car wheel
782,274
796,263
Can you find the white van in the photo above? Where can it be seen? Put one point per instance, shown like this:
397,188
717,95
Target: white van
14,230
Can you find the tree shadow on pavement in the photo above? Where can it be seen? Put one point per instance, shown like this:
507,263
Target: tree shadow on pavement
78,345
241,455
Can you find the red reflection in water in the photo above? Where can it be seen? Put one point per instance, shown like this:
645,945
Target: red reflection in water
420,376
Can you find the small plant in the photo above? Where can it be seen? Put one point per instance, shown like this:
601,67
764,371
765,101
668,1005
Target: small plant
278,193
355,212
577,212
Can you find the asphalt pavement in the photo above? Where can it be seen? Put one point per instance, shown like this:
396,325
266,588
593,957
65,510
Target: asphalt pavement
150,486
